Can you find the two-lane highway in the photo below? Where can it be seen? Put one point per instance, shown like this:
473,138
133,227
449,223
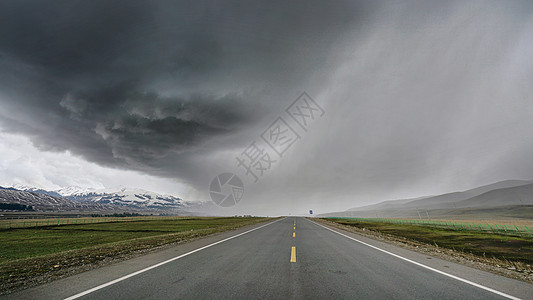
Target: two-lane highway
291,258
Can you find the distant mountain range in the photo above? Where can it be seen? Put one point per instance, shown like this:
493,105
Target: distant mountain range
76,198
504,194
42,202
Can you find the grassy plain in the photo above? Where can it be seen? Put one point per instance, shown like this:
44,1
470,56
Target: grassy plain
501,246
37,254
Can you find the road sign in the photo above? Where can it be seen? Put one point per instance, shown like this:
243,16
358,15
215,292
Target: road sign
310,211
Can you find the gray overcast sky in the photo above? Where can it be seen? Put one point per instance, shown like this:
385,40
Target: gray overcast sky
420,97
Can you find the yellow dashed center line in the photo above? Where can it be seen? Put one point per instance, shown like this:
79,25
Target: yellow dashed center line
293,249
293,254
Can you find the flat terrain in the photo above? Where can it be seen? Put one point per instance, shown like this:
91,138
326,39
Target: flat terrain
507,212
51,251
292,258
508,222
487,244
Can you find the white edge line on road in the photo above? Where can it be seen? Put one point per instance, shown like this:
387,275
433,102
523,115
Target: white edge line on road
422,265
162,263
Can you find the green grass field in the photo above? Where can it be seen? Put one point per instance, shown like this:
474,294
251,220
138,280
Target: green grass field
487,244
511,227
43,250
31,242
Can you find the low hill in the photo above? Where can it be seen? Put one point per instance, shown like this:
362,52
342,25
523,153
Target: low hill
520,195
502,199
447,200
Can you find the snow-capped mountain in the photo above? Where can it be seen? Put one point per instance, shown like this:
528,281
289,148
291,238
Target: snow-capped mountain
135,198
45,202
73,190
30,189
121,198
62,192
124,197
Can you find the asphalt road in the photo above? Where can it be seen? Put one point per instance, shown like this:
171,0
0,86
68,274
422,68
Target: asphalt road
290,258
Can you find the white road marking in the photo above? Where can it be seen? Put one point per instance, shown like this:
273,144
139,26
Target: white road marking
422,265
162,263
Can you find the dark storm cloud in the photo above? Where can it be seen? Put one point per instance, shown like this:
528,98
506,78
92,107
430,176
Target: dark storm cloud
71,37
153,85
421,97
